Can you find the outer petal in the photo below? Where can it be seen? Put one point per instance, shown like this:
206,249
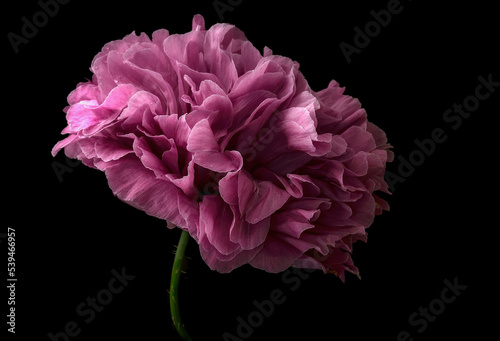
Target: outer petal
279,253
216,220
258,199
249,236
89,116
137,186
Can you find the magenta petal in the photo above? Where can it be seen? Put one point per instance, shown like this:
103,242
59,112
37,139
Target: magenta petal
138,105
268,76
358,165
338,146
363,210
148,157
83,92
277,255
206,89
222,112
294,185
181,47
267,199
125,72
294,222
225,264
220,63
297,139
217,230
137,186
89,116
203,144
202,138
63,143
289,162
198,23
249,236
111,150
174,127
228,161
186,182
159,36
359,139
248,58
228,188
333,97
258,199
82,115
245,191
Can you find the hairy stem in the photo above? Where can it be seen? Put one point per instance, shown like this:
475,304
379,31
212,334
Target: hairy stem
174,286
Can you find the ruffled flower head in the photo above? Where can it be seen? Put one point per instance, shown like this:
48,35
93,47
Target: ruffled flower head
202,130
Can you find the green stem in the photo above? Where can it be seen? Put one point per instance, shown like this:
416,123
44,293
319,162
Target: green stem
174,285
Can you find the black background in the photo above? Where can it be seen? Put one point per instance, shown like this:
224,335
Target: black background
70,234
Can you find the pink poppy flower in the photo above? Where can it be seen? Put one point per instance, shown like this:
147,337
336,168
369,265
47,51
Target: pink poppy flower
202,130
